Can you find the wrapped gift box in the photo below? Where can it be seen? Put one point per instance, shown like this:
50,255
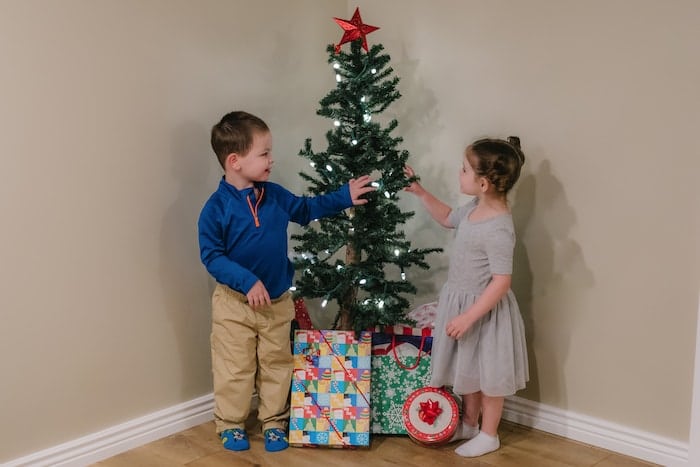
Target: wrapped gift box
330,399
431,416
301,315
400,365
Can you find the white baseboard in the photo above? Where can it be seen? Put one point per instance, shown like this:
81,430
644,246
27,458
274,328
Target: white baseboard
112,441
600,433
120,438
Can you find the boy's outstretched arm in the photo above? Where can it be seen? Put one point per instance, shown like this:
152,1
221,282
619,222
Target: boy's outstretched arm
436,208
358,187
304,209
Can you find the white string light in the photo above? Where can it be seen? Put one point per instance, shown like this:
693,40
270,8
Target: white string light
329,168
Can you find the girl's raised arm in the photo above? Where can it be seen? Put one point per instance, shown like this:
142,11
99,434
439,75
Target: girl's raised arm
436,208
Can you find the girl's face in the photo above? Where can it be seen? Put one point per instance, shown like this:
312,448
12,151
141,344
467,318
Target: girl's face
469,181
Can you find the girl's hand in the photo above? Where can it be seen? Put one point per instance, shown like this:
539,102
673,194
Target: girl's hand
358,187
458,326
489,298
414,187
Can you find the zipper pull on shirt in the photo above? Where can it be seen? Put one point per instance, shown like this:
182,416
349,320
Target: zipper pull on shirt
254,210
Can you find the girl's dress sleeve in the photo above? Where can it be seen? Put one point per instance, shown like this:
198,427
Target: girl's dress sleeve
499,247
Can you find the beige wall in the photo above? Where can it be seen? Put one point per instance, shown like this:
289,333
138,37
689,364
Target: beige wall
104,122
604,95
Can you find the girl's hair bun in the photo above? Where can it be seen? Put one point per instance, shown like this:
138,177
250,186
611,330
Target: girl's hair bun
514,142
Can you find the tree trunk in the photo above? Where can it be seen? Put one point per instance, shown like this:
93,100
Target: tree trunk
346,322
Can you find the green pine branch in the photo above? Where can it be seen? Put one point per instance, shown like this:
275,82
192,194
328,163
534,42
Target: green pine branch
359,261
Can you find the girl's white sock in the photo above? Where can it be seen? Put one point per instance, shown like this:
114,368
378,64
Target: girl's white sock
479,445
465,431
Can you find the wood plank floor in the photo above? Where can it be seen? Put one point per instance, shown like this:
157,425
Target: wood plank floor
520,447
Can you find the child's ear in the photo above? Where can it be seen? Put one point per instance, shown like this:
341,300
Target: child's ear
484,184
232,161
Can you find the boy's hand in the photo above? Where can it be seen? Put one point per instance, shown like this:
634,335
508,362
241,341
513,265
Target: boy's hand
414,187
257,296
358,187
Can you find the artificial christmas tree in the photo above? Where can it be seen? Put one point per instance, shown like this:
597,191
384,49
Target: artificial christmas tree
359,259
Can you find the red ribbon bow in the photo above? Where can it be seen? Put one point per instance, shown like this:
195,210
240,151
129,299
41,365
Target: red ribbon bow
429,411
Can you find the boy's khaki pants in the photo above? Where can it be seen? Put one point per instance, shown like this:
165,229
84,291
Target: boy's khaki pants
250,350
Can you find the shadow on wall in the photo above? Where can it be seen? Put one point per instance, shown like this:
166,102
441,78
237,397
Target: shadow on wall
543,221
419,122
185,285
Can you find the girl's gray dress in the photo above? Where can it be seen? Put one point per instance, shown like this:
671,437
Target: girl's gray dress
491,356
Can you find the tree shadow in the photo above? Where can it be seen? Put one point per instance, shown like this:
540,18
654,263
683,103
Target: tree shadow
419,124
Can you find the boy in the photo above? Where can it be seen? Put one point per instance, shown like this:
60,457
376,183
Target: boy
243,245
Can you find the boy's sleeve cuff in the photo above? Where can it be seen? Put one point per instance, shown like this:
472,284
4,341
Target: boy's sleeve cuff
345,189
248,283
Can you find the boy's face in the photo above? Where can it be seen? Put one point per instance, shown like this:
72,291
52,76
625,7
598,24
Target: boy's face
256,164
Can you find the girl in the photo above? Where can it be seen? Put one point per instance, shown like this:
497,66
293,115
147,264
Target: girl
479,338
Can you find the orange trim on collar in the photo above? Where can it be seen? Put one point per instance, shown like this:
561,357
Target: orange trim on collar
254,210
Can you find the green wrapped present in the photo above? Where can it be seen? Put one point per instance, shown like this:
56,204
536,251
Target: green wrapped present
400,365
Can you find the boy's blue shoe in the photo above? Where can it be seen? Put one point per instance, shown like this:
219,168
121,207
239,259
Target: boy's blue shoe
235,439
275,440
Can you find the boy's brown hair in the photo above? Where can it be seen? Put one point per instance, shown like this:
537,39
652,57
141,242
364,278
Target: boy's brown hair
234,133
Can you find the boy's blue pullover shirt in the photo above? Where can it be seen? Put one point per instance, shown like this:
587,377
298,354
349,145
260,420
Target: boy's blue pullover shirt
243,239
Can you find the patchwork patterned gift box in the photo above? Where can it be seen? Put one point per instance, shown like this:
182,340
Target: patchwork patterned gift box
330,398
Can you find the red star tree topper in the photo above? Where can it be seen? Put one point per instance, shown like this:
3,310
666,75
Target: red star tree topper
354,29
